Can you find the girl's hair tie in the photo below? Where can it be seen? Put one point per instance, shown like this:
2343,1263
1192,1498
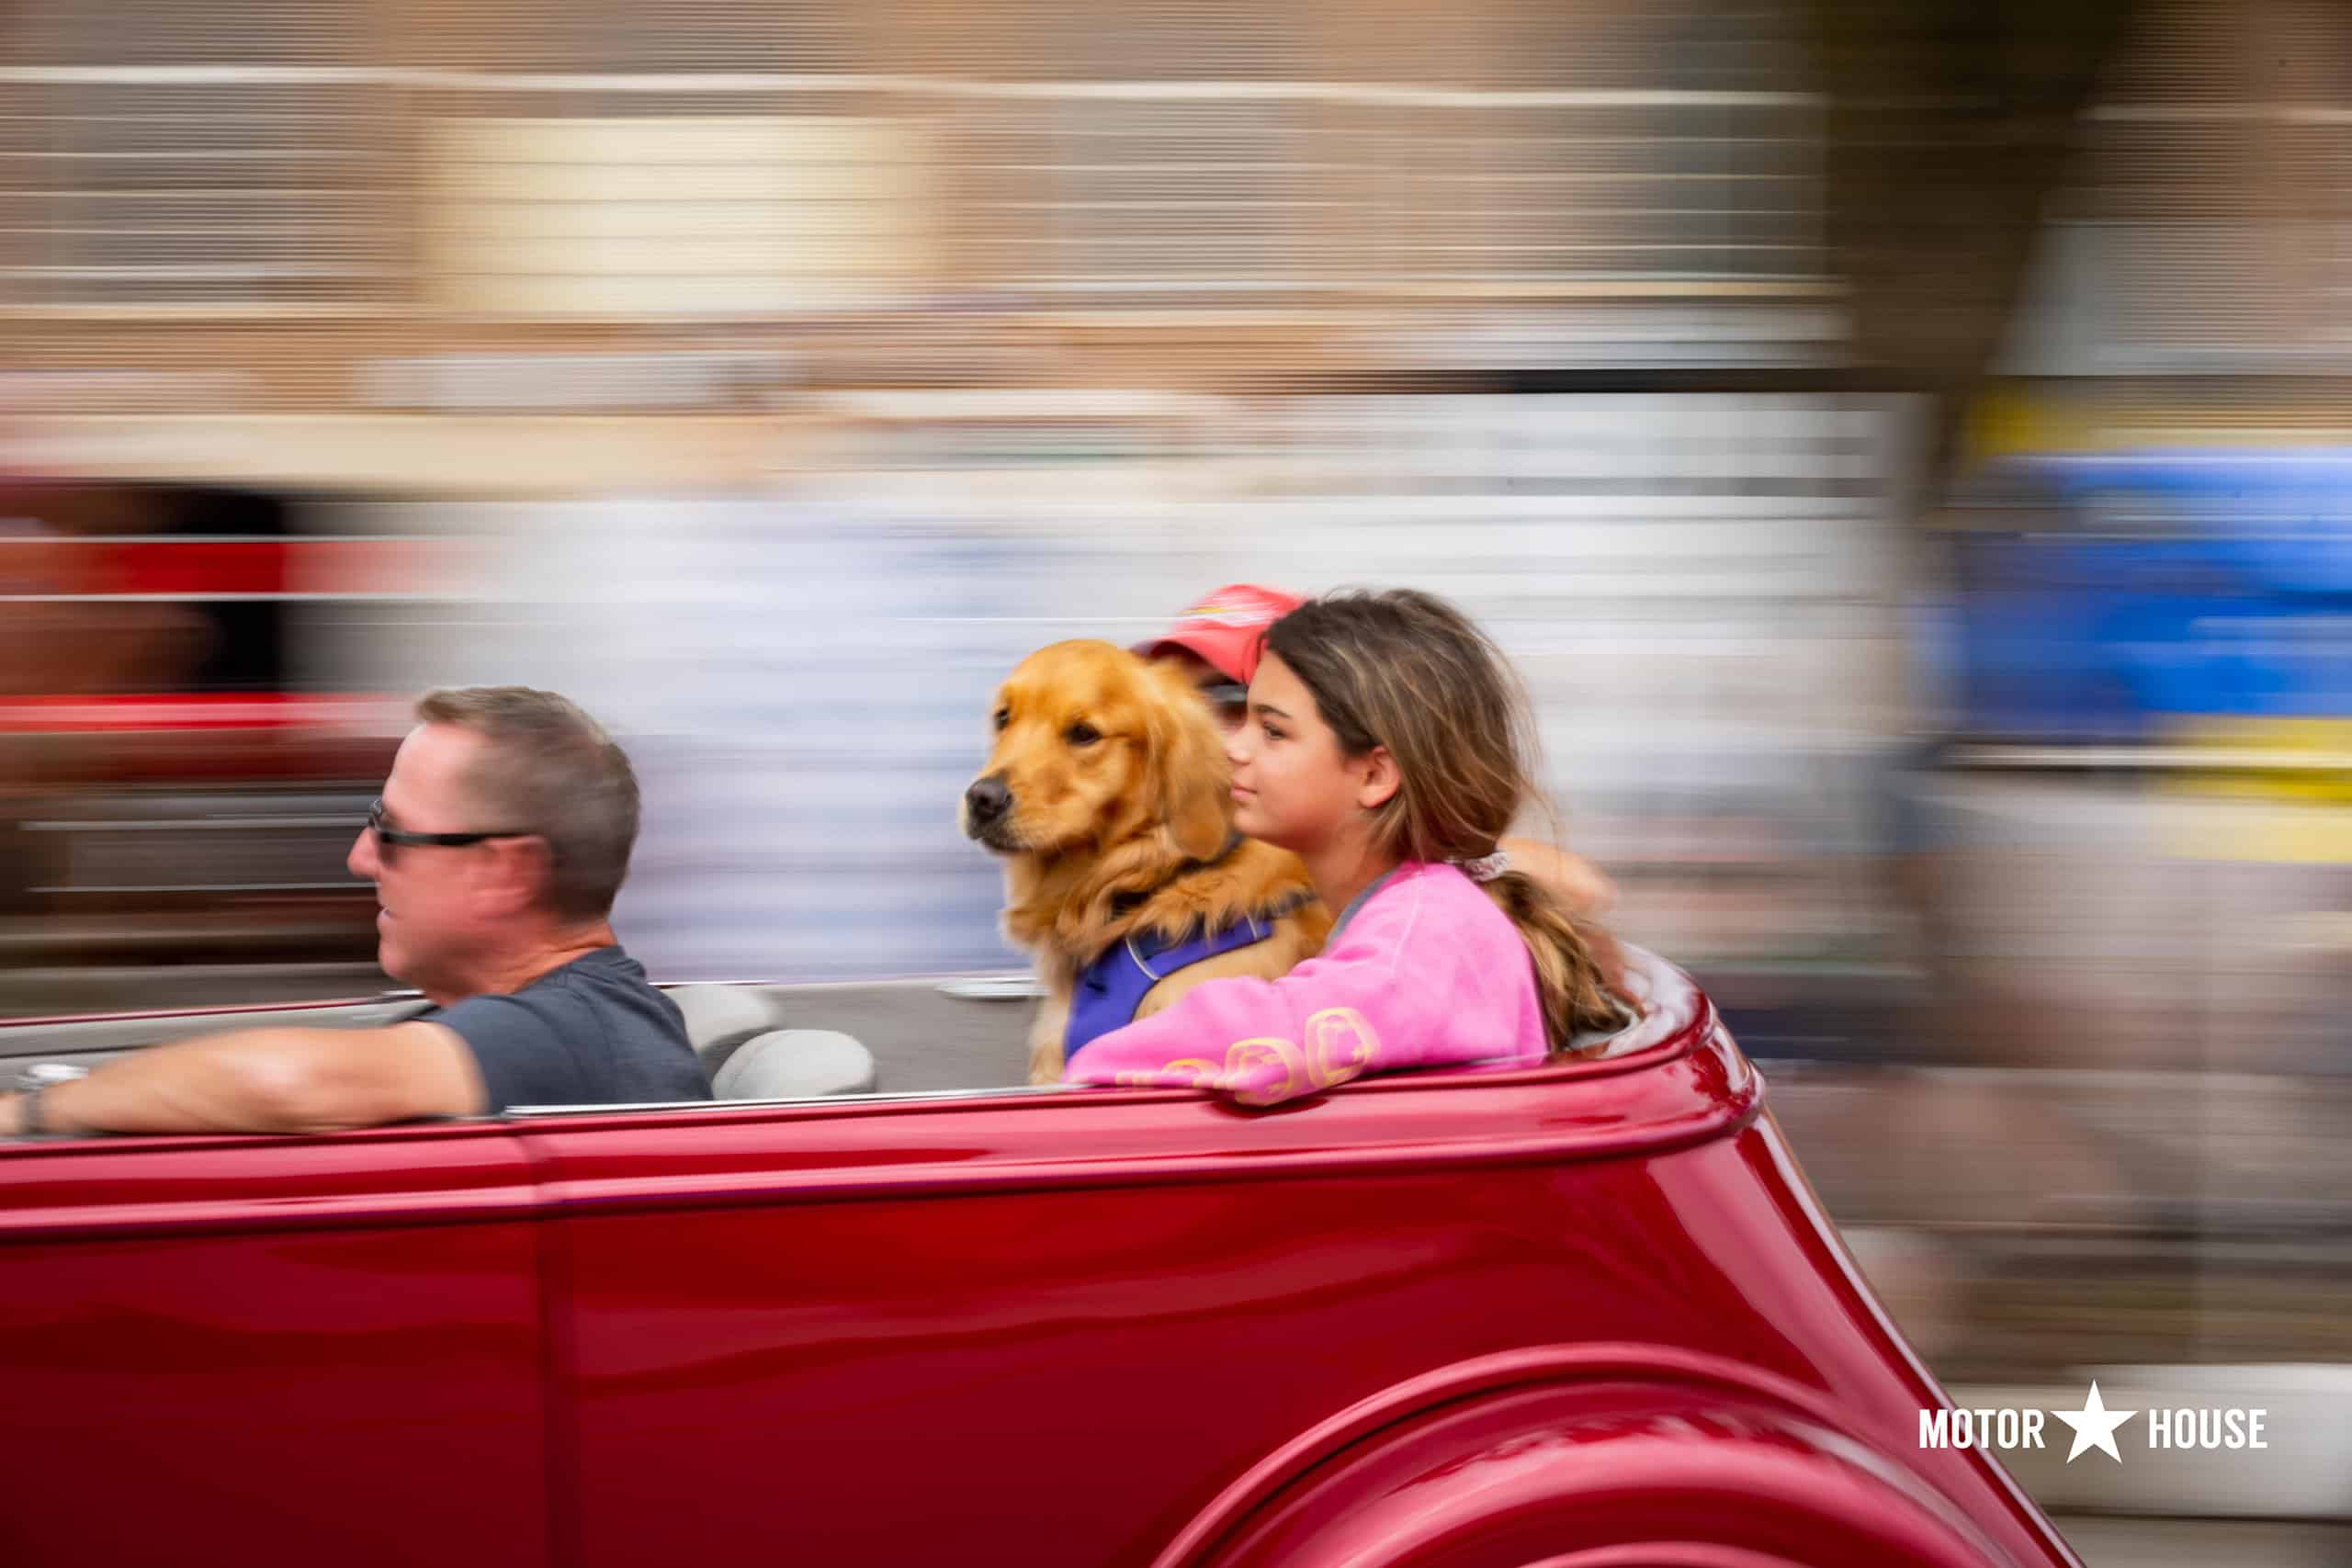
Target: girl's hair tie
1485,868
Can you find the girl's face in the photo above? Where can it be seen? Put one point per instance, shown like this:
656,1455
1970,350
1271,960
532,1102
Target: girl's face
1292,784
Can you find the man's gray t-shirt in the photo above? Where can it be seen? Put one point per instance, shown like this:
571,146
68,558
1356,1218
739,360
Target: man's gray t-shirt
593,1033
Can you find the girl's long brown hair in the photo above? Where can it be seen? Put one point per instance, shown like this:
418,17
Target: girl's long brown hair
1406,671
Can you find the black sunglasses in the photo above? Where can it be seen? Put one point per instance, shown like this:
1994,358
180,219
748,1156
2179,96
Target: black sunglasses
1231,696
389,838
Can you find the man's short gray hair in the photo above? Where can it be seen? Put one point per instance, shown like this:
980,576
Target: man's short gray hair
549,769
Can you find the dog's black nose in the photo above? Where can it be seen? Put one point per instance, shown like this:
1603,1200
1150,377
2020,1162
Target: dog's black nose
987,800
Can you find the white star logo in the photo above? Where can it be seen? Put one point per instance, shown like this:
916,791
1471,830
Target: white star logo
2093,1426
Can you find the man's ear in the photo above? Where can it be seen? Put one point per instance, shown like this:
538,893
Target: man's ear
1378,778
1190,782
519,873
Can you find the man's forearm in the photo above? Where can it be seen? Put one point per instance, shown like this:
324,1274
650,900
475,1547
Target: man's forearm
267,1080
196,1086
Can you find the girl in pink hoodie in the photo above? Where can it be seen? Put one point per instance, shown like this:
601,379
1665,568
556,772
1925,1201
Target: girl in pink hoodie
1387,744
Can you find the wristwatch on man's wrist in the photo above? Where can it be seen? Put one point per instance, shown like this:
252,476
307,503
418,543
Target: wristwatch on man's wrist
30,1084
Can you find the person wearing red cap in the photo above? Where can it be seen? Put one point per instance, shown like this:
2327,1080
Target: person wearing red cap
1217,640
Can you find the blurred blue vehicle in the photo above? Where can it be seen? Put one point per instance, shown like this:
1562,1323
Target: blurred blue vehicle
2127,597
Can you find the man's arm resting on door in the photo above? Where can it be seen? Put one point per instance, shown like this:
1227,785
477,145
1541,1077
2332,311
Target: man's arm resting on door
268,1080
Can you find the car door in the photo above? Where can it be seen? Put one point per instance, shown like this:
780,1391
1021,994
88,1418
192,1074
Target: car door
272,1350
1033,1326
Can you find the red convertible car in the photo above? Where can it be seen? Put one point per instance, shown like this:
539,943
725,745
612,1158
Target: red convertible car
1588,1316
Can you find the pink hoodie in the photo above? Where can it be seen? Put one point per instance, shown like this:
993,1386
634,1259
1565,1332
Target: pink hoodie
1426,972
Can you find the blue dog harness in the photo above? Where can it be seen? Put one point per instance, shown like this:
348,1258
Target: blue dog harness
1111,987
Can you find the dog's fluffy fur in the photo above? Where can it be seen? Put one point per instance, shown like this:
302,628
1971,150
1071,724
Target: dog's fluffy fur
1118,782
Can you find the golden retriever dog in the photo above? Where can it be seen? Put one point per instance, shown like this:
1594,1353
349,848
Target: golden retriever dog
1107,794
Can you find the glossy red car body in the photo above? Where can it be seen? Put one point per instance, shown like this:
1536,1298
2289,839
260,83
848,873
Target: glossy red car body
1583,1316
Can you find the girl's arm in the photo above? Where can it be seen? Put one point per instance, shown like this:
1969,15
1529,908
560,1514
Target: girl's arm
1404,986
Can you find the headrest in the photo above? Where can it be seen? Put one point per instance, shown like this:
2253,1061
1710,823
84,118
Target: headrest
721,1017
795,1063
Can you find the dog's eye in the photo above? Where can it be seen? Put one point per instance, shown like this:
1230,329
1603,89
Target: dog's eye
1082,734
1004,717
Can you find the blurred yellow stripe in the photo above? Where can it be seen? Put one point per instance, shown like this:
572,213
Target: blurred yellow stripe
2009,422
2298,810
2270,835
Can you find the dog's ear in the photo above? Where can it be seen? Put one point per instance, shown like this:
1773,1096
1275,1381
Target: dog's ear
1190,777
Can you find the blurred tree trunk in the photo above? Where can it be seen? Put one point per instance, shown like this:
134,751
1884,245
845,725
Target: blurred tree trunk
1951,124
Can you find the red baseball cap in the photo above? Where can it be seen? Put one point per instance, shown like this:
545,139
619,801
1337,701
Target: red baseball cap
1227,627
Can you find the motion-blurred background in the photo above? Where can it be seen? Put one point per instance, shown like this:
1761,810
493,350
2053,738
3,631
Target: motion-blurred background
1903,445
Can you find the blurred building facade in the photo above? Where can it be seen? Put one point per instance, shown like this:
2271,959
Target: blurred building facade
2190,277
324,200
1032,318
304,208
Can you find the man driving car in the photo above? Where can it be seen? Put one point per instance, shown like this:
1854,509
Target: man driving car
501,837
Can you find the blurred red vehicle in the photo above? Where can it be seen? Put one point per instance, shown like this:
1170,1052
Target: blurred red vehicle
1583,1315
175,781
